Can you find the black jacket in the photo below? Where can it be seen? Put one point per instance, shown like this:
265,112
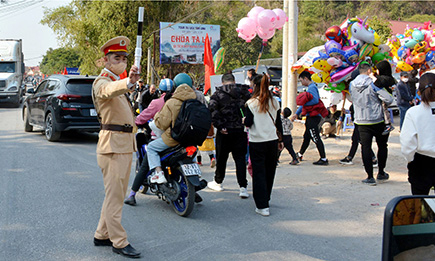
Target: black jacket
226,105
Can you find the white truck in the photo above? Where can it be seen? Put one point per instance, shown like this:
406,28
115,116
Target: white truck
12,88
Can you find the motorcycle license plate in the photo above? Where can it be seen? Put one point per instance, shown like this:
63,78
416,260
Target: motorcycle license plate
93,112
191,169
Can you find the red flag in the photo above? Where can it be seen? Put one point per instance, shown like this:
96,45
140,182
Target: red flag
123,75
208,63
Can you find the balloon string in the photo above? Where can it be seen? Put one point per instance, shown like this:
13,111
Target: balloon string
259,56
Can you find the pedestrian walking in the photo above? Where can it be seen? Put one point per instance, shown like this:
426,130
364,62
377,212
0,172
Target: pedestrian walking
264,121
287,126
417,138
226,107
314,110
404,96
367,99
116,142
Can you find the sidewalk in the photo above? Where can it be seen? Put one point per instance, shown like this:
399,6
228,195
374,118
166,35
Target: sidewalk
327,209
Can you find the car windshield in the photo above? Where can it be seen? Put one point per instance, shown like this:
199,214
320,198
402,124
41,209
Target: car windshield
80,86
7,67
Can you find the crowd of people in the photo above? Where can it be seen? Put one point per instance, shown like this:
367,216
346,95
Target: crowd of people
248,122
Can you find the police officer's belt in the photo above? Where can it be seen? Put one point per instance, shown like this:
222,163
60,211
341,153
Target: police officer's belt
113,127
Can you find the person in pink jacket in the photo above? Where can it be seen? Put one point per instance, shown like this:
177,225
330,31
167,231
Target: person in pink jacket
166,86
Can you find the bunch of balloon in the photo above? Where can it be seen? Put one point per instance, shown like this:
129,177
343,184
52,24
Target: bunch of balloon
261,22
414,49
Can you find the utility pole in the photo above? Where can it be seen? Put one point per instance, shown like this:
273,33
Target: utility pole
292,53
149,66
285,69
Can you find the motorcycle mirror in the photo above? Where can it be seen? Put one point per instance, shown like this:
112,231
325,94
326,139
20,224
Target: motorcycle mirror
409,229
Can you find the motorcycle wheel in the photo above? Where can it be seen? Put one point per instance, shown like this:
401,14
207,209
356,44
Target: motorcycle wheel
183,206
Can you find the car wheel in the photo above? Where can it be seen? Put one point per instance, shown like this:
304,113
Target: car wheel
50,128
27,126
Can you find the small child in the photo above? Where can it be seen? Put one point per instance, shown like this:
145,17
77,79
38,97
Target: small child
287,126
208,147
385,79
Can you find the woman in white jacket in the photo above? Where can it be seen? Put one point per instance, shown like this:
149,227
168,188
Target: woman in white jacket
417,138
263,119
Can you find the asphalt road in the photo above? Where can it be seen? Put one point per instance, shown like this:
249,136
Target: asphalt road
51,195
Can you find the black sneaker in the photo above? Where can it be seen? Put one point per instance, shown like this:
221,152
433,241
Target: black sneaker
294,162
321,162
346,161
130,201
369,181
299,156
383,177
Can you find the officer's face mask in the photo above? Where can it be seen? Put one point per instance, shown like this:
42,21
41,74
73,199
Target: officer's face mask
405,79
117,68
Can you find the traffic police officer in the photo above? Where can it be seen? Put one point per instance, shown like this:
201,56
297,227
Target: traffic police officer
116,142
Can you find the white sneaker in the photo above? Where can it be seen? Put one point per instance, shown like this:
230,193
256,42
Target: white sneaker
158,177
263,211
215,186
243,193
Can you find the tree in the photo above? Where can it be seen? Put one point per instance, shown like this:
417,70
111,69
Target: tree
382,28
56,60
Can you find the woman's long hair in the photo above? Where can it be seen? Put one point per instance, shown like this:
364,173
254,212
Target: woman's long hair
261,92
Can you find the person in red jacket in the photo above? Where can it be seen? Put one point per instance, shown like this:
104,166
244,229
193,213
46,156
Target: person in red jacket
314,110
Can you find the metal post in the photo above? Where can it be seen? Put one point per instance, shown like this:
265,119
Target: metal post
284,78
149,65
293,53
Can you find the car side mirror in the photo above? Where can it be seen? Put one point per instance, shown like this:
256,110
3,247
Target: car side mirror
30,90
409,229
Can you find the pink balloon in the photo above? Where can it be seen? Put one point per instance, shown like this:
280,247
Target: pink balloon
246,27
254,13
247,38
265,34
267,19
281,18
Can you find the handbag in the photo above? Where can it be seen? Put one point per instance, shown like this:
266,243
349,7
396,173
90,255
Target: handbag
278,133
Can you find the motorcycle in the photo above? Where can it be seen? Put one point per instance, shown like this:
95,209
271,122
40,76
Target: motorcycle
181,172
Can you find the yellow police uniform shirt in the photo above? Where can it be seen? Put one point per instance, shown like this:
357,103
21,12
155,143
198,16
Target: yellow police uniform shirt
113,108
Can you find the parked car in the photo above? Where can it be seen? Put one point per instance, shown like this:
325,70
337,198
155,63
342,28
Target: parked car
275,72
61,103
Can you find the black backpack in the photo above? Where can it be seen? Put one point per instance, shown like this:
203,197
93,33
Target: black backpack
192,124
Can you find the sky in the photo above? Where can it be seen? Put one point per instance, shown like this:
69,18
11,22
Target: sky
19,19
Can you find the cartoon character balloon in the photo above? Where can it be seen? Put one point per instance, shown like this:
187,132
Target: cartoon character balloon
281,18
266,20
334,33
246,28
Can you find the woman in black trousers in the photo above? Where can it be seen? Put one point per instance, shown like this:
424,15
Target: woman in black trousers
263,119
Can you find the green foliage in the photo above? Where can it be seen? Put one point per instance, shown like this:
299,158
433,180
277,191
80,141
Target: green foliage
421,18
382,27
56,60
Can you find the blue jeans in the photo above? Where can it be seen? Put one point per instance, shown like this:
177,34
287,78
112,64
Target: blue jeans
402,111
153,150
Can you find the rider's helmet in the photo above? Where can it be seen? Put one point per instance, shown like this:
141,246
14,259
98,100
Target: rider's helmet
183,78
166,85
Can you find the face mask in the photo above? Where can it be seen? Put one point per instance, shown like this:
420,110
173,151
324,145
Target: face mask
117,68
405,80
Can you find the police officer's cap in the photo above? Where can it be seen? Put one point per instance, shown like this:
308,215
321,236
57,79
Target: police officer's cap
118,45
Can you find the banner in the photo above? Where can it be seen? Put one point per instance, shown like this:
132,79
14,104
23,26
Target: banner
72,71
184,43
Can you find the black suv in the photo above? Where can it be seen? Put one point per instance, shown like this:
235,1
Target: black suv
61,103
